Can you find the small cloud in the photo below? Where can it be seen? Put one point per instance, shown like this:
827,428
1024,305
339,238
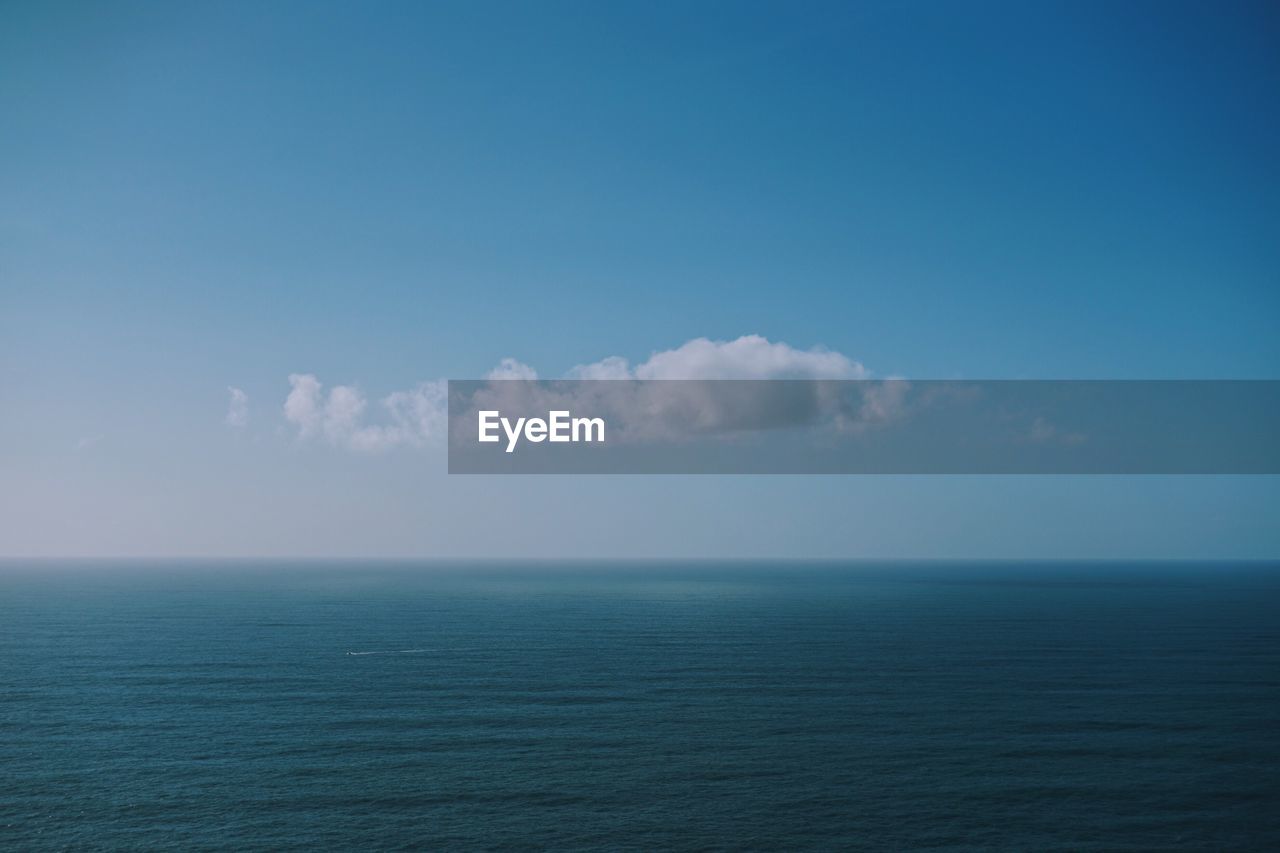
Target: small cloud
87,442
412,418
747,357
509,368
613,367
237,408
302,406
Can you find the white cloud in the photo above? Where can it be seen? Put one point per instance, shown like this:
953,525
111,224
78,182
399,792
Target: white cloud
417,416
509,368
411,418
613,367
665,410
237,408
747,357
302,406
342,412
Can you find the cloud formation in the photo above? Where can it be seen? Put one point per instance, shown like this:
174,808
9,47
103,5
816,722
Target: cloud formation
237,408
509,368
410,418
418,416
747,357
672,410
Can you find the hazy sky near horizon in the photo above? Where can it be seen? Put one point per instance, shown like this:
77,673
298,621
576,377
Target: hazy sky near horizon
200,201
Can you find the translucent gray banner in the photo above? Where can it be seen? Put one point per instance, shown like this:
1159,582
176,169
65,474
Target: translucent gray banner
864,427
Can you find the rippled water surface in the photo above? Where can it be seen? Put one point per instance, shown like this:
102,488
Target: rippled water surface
779,706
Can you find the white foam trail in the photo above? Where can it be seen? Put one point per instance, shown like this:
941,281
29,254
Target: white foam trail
394,652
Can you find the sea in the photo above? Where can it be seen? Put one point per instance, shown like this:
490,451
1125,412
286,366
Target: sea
695,705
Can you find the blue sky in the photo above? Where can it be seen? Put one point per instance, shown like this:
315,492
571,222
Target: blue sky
203,196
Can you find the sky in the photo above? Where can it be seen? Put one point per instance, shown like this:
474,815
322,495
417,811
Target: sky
203,205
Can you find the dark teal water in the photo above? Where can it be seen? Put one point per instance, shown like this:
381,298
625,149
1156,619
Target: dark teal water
202,706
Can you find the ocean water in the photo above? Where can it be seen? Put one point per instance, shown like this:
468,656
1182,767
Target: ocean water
628,706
